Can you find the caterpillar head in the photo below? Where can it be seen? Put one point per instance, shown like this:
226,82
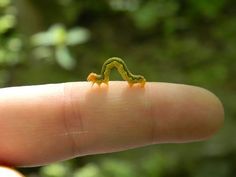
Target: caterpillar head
92,77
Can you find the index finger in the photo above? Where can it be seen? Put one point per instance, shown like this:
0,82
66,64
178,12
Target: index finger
41,124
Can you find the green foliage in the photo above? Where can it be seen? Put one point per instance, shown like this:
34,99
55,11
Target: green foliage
59,38
154,12
57,35
116,168
10,46
54,170
208,8
190,42
90,170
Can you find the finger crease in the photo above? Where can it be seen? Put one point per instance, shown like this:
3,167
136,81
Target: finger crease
69,130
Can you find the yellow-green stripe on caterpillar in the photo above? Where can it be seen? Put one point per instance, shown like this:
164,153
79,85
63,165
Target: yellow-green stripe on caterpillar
120,65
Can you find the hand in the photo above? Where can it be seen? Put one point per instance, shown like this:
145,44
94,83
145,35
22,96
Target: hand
46,123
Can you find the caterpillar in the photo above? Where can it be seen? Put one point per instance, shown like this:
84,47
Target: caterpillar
120,65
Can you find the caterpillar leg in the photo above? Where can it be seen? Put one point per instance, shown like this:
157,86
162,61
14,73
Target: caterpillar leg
142,84
99,84
130,84
106,83
92,84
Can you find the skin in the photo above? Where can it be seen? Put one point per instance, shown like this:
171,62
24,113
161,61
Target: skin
8,172
48,123
121,67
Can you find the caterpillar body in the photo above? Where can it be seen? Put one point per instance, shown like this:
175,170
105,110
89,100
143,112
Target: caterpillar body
120,65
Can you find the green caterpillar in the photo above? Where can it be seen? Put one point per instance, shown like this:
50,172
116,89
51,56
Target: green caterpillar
120,65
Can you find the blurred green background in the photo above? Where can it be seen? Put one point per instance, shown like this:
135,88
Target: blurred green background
181,41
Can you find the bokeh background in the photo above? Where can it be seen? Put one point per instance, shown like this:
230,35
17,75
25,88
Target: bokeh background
181,41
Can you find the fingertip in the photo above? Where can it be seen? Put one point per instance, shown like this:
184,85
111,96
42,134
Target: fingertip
9,172
215,117
185,113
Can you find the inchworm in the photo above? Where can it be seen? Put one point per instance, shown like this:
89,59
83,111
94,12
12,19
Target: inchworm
120,65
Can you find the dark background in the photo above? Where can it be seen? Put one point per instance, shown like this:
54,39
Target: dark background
181,41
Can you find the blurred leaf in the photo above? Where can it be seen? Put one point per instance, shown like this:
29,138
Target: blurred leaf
54,170
56,35
90,170
77,36
59,34
14,44
118,168
43,38
64,57
154,165
6,22
4,3
42,52
8,57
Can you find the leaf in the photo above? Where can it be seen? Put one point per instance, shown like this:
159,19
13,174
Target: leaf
43,38
77,36
64,58
90,170
54,170
56,35
118,168
4,3
7,22
42,52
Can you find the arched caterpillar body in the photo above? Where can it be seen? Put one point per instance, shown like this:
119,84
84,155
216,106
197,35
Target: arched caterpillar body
120,65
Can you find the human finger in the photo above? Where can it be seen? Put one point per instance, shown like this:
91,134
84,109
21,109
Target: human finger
46,123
